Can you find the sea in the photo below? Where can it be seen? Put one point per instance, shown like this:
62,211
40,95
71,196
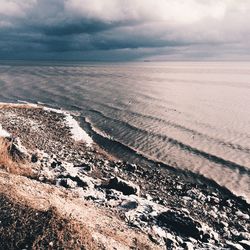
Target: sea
190,116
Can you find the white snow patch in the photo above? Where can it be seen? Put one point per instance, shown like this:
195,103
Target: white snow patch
78,134
20,103
58,111
30,104
4,133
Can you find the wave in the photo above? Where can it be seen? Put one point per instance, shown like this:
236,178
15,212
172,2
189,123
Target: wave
125,152
181,145
192,132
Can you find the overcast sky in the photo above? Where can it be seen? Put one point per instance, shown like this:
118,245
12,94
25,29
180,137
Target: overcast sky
125,29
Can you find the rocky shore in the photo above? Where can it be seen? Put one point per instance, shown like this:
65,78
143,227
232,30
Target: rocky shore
166,210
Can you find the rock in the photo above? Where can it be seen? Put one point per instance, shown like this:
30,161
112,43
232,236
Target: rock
208,233
215,236
234,246
179,240
196,194
85,167
113,194
224,223
149,197
131,167
209,246
245,235
16,149
186,199
34,158
86,181
171,243
54,164
213,214
81,181
188,246
126,187
229,203
215,200
185,211
67,183
157,230
245,243
129,204
194,241
179,223
154,237
242,215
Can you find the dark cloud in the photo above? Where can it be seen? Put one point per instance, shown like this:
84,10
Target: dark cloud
123,30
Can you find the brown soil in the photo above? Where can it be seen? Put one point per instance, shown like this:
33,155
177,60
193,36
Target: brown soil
23,227
34,215
12,160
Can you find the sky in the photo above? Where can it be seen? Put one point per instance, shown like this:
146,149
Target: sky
121,30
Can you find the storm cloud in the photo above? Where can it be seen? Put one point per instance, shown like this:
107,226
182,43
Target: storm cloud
125,29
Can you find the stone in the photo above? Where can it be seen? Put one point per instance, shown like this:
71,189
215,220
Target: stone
245,243
131,167
170,241
242,215
126,187
188,245
192,240
224,223
213,214
196,194
34,158
234,246
159,231
149,197
81,181
85,167
179,240
185,211
179,223
229,203
186,199
215,200
245,235
129,204
67,183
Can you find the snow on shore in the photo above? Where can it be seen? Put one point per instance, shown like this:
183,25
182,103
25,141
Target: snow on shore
3,133
19,104
78,134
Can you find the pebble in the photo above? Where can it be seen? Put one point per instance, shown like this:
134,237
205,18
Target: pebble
242,215
212,213
245,235
188,246
234,246
225,224
245,243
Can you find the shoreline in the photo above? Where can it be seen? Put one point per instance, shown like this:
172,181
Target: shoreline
157,202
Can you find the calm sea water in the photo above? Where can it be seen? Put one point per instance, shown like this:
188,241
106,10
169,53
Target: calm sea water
193,116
